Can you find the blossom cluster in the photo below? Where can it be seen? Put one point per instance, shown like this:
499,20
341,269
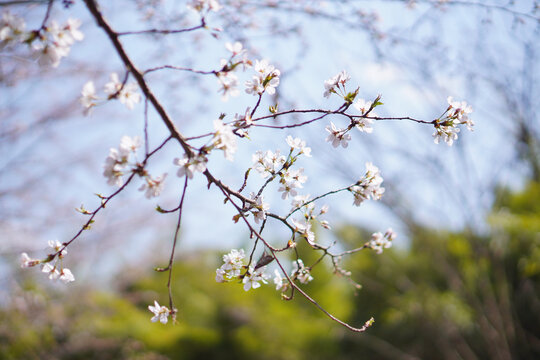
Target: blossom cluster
120,161
446,127
54,271
49,44
274,164
233,268
127,93
369,186
378,241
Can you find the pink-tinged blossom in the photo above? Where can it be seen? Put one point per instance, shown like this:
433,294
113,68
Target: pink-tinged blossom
161,313
188,167
337,136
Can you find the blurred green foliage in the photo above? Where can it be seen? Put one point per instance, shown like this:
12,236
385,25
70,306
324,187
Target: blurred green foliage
447,296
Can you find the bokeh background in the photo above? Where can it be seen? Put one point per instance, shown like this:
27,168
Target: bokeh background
462,279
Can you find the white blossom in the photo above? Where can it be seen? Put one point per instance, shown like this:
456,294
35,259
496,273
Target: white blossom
224,139
279,281
253,277
129,145
66,276
56,246
26,261
337,136
379,241
190,166
127,93
303,227
300,272
88,97
229,83
447,133
161,313
113,168
259,211
233,263
298,144
268,163
153,186
204,5
12,29
460,111
369,186
235,48
50,270
331,84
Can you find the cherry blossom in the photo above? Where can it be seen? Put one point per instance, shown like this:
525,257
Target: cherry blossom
224,139
379,241
253,278
153,186
161,313
369,186
26,261
337,136
300,272
88,97
127,93
189,166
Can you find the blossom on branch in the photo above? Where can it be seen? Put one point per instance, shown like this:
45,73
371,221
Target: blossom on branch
12,29
153,186
300,272
161,313
127,93
26,261
224,139
337,136
253,277
88,97
369,186
189,166
334,82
